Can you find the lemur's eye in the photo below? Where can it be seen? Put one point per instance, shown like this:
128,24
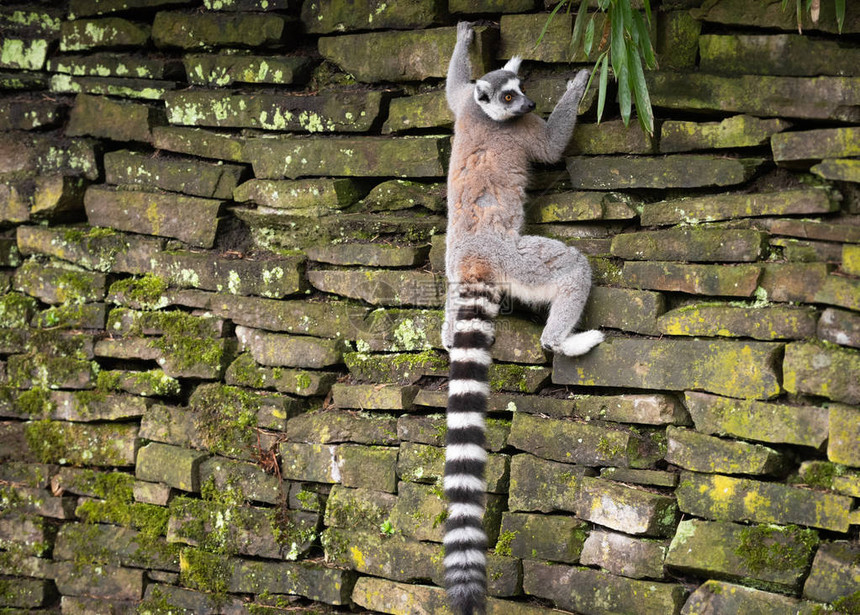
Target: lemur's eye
508,97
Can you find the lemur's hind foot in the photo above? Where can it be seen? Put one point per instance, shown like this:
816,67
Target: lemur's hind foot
578,343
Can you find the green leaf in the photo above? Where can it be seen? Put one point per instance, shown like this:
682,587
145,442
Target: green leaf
602,85
645,45
647,4
840,14
589,37
624,100
578,27
617,44
548,21
640,92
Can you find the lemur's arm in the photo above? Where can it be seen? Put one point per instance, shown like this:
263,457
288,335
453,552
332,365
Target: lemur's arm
457,86
559,125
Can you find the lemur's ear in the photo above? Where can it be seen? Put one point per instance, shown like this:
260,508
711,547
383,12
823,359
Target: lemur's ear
513,64
483,90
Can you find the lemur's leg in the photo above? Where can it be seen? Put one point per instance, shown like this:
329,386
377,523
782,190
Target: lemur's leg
460,69
548,271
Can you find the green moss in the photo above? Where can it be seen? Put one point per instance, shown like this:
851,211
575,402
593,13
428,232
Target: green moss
849,603
35,403
157,603
207,572
772,547
46,441
16,310
225,418
503,544
147,292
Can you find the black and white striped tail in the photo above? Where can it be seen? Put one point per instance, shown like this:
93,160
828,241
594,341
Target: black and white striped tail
477,305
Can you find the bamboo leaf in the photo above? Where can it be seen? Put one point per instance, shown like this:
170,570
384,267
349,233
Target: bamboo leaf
624,100
578,27
588,42
840,14
617,44
602,85
647,4
548,21
645,41
640,92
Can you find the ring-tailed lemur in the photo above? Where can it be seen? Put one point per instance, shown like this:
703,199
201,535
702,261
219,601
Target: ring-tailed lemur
496,137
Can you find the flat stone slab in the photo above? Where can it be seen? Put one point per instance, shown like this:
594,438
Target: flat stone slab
193,177
833,98
691,245
540,485
580,206
771,555
731,206
698,452
368,255
335,426
838,170
546,537
303,197
819,370
292,157
23,54
200,29
146,89
223,70
626,309
274,349
98,116
111,64
732,132
81,8
172,465
816,144
373,397
403,56
759,421
740,13
725,498
844,431
627,509
673,171
723,597
834,571
382,287
771,322
695,279
425,110
28,114
343,111
324,16
83,34
244,371
200,142
624,555
740,369
776,54
193,220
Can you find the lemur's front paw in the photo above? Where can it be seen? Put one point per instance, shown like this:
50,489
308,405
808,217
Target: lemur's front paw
465,33
578,83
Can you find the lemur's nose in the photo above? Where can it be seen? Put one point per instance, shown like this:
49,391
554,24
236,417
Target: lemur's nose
531,105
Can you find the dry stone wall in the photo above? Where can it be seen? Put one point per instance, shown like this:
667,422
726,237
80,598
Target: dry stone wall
222,378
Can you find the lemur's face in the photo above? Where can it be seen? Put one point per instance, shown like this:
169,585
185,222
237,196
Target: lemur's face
500,93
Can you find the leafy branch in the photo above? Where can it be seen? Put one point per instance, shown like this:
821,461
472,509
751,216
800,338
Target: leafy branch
813,7
624,45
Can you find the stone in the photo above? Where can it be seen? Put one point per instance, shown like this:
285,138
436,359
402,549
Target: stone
759,421
110,64
101,444
696,279
626,509
623,308
256,484
244,371
733,132
740,13
691,450
424,110
636,558
325,16
57,197
360,508
172,465
83,34
196,178
224,70
397,194
823,98
273,349
797,282
146,89
769,556
838,170
115,546
305,197
539,485
673,171
403,56
200,142
431,429
772,322
394,557
834,572
844,432
580,206
41,20
195,30
111,582
332,426
779,54
518,378
273,277
546,537
586,444
421,463
55,284
345,111
35,369
28,114
611,137
839,291
394,330
311,462
310,579
83,8
16,310
420,513
23,54
98,116
691,245
840,327
741,369
193,220
573,588
519,33
373,397
677,39
292,157
641,409
815,229
368,255
371,467
819,370
797,250
725,498
84,406
382,287
816,144
730,206
723,597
